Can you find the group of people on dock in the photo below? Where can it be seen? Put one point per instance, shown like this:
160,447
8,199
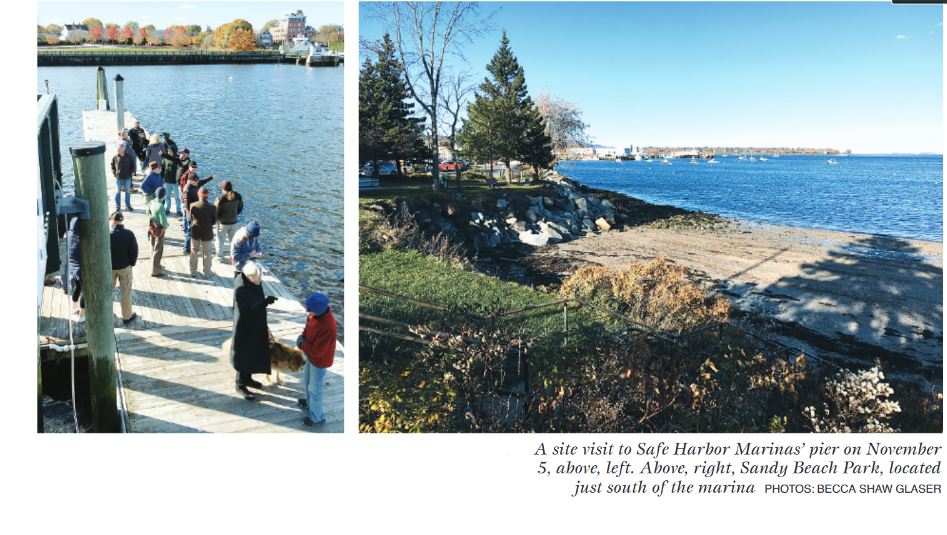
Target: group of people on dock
169,174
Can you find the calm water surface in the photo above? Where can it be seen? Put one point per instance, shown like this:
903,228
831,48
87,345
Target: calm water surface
274,130
892,195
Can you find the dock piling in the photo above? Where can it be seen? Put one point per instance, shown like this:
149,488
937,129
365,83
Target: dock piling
101,91
96,261
120,102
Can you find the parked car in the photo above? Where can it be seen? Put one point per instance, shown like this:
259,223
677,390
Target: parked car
384,169
452,165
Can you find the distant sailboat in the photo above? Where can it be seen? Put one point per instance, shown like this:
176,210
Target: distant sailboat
693,161
742,157
764,159
831,162
712,160
666,162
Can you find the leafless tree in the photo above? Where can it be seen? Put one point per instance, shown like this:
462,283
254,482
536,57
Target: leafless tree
564,123
453,97
425,35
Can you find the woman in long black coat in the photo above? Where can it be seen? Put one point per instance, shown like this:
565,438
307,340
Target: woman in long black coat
249,352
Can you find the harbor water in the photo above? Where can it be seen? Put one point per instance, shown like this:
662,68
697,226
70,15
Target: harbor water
890,195
274,130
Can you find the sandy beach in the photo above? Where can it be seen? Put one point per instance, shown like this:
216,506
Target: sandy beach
852,296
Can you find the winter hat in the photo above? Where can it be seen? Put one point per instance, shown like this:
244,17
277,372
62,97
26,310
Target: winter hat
160,192
317,303
203,193
253,228
185,151
253,271
226,186
193,163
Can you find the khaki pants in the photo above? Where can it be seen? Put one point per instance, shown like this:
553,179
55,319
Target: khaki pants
124,279
201,248
225,237
157,249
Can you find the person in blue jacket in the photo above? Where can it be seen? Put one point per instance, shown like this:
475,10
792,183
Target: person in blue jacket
152,182
245,246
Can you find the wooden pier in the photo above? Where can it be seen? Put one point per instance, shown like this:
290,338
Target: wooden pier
172,375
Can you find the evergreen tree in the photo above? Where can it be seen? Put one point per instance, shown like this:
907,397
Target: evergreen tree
387,128
537,145
502,122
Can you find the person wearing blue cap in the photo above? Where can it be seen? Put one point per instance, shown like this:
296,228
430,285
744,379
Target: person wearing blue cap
245,246
318,343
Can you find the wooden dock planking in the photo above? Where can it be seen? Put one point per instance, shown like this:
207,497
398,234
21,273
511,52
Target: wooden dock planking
175,378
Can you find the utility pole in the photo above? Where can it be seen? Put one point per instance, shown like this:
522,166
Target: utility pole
96,261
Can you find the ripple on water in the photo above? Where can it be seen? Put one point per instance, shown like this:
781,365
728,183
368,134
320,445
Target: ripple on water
274,130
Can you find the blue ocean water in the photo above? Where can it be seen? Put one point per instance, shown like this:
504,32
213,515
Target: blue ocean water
274,130
892,195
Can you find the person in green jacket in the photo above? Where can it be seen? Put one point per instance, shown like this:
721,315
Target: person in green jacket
170,161
157,225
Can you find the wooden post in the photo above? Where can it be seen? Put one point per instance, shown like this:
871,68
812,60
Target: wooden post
120,102
96,261
101,91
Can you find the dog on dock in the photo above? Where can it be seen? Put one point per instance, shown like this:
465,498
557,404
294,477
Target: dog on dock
282,358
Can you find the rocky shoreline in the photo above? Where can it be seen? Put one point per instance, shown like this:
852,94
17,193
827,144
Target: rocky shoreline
854,296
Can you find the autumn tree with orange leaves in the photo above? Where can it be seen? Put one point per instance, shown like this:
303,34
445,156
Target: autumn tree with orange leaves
241,40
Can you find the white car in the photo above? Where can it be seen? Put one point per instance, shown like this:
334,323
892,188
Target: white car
384,169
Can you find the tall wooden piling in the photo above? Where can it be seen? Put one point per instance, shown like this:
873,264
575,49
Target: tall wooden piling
101,90
120,102
96,261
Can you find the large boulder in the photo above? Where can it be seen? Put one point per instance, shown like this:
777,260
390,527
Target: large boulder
531,215
588,225
582,204
518,226
501,203
549,232
602,224
536,240
477,217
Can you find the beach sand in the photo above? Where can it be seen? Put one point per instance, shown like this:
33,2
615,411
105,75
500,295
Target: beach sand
852,296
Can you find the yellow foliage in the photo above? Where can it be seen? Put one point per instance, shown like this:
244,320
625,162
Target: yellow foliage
657,294
241,40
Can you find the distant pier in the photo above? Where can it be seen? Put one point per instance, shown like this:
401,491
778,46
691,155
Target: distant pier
94,57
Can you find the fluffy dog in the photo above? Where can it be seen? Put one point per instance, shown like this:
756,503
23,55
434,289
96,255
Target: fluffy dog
282,357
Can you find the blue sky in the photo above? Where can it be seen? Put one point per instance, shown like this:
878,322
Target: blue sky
861,76
164,14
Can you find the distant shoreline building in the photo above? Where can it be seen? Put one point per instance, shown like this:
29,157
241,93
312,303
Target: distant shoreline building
74,32
291,25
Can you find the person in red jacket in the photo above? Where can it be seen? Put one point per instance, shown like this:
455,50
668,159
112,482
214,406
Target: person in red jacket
318,343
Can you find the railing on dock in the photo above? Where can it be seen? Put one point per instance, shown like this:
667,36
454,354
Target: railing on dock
50,178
